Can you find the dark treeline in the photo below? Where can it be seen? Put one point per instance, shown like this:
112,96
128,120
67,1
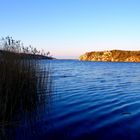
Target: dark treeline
8,44
25,86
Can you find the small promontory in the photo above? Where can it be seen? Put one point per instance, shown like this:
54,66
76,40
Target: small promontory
112,56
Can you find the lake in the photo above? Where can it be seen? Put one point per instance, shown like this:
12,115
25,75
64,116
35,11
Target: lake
92,100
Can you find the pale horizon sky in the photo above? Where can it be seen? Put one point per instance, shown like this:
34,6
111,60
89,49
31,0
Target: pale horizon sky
69,28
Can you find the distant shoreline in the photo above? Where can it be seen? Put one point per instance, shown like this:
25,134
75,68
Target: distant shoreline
111,56
25,55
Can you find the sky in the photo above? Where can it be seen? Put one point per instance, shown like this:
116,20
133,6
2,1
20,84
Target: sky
69,28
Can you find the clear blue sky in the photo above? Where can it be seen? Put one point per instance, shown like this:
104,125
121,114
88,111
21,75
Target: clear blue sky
68,28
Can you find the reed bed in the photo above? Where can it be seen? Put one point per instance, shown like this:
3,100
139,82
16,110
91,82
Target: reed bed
24,86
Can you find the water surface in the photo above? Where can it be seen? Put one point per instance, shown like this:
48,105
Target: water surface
93,100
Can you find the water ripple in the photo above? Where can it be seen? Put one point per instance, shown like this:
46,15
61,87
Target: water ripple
96,101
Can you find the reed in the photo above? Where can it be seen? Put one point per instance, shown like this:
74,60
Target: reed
24,85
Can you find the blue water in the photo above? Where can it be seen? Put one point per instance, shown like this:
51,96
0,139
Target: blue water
93,100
